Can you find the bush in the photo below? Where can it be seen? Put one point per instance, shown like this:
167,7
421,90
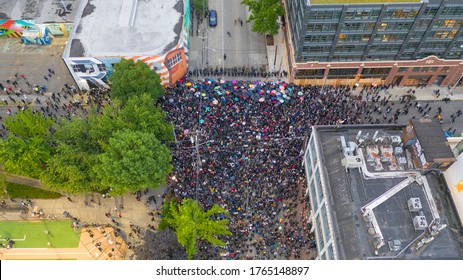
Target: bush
23,191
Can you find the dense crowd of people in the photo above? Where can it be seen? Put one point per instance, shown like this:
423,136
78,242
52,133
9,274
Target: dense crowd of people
240,145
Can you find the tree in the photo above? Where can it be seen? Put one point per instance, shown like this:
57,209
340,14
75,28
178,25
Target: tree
191,223
265,14
27,124
162,245
140,114
28,146
78,145
200,5
81,144
133,160
134,79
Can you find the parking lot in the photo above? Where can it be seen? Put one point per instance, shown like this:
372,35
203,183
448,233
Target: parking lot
33,61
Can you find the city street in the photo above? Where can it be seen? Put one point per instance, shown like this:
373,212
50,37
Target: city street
241,46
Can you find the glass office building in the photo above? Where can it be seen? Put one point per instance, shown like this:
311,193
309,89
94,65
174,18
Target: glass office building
403,42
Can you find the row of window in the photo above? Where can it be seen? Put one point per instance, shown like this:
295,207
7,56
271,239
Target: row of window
387,26
373,14
395,26
382,37
366,72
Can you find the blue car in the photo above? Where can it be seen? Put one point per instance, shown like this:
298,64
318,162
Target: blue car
213,18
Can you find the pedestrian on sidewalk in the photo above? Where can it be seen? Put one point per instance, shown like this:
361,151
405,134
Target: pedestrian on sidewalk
45,77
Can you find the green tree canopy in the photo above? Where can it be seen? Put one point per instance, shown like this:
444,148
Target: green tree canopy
140,114
200,5
28,146
133,160
82,142
70,168
134,79
191,223
27,124
265,14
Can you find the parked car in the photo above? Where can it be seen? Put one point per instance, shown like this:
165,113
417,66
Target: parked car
213,18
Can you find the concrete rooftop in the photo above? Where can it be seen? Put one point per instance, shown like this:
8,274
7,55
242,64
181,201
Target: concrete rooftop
127,28
350,191
42,11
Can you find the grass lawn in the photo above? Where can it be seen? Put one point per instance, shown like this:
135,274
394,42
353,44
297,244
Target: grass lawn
60,234
22,191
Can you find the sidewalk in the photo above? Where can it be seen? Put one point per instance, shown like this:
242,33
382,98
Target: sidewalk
424,94
276,54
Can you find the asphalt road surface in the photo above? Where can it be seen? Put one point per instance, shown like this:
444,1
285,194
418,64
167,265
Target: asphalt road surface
241,46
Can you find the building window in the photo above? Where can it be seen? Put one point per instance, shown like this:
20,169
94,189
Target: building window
326,227
331,252
321,242
430,11
417,35
324,14
319,184
448,23
349,48
454,54
101,67
362,13
406,55
313,196
445,69
375,72
444,34
416,69
309,73
319,38
390,37
343,72
402,69
322,27
424,23
412,46
171,62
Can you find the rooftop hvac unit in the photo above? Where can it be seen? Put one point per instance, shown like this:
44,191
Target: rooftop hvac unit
402,161
398,151
420,223
395,140
414,204
352,162
395,245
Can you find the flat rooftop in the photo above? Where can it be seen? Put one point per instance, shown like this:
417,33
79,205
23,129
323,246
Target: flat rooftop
127,28
320,2
350,191
43,11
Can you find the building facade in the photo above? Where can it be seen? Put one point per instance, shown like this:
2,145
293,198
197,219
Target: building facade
320,207
105,32
372,198
403,42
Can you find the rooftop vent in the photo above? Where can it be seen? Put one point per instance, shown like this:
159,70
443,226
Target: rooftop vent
414,204
352,162
420,223
394,245
395,140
